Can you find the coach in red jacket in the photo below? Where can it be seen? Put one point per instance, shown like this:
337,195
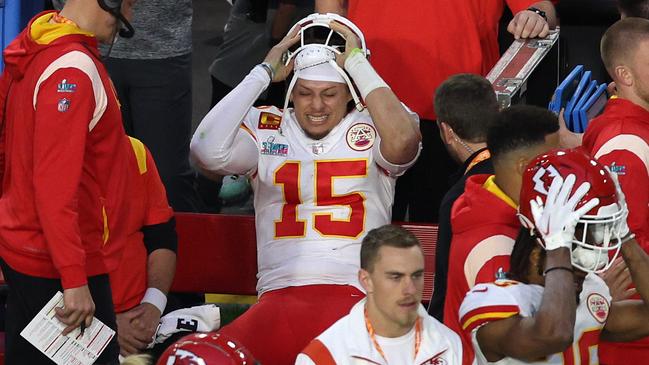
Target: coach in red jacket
63,171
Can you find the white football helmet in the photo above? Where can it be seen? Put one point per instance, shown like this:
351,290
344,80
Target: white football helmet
318,47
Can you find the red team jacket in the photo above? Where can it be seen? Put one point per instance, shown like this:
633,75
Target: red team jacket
619,139
63,154
484,230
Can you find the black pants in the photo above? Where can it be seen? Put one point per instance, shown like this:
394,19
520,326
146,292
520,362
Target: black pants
420,190
28,295
156,98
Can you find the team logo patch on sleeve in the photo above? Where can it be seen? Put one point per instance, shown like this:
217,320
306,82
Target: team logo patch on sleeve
269,121
598,307
361,137
63,105
66,87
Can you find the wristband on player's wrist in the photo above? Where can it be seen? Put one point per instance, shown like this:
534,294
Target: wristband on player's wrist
557,268
363,74
269,69
155,297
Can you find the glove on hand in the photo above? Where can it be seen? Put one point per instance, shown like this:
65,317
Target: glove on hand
557,218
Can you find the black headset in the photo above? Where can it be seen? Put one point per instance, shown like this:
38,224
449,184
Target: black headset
114,7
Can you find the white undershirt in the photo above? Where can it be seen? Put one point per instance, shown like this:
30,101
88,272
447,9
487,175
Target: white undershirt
398,350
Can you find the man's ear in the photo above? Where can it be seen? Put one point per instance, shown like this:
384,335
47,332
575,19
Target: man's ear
445,131
623,76
521,164
365,280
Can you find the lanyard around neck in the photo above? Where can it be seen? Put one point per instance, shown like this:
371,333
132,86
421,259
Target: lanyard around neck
370,330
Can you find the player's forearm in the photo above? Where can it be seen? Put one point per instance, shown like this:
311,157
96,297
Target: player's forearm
214,139
161,267
555,320
399,133
331,6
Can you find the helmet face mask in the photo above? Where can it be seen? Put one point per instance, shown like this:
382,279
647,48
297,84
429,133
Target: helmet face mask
598,234
598,239
319,44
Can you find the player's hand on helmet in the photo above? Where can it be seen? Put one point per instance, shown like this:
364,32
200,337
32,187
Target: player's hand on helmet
557,218
351,41
528,24
78,307
276,54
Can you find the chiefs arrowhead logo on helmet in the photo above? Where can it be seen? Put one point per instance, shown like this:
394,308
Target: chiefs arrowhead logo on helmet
598,235
206,349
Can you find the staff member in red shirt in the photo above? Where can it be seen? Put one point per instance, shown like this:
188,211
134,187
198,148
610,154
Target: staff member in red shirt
146,254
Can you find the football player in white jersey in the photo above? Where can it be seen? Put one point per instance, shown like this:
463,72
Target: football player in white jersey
556,309
323,173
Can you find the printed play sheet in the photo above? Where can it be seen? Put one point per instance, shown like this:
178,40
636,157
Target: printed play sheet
45,333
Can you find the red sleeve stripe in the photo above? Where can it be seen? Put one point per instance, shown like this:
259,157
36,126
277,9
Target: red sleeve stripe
318,353
480,316
243,126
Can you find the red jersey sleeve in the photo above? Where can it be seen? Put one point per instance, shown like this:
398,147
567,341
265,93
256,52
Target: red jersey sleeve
60,132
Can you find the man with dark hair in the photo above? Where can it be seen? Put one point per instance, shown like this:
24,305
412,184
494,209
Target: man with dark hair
390,325
556,309
63,172
466,106
633,8
484,217
619,138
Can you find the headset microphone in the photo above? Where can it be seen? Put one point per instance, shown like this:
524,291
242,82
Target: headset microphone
114,7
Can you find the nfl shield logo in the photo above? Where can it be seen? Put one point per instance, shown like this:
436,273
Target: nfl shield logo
64,105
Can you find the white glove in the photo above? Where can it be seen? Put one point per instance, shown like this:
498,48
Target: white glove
557,219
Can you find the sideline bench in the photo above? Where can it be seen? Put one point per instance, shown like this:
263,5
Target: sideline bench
218,254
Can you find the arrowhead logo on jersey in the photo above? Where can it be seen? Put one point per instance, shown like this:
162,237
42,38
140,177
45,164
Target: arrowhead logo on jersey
269,120
436,360
543,179
361,136
269,147
598,307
